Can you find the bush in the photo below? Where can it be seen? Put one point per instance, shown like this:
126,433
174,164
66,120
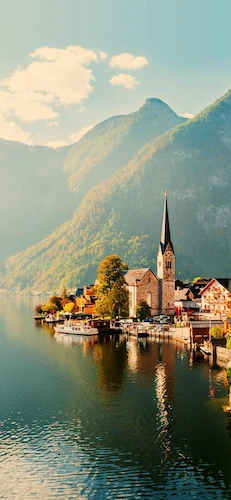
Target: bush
216,332
228,376
228,341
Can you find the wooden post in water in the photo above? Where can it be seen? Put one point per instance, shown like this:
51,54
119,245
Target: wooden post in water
214,354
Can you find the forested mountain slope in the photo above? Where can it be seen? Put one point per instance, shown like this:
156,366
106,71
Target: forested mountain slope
124,213
34,194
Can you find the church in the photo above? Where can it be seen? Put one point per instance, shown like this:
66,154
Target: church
157,290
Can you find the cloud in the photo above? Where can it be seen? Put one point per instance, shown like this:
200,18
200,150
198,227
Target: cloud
10,131
102,55
52,123
188,115
128,61
74,137
123,80
56,77
56,144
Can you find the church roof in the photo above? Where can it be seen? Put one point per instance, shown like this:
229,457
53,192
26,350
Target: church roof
135,274
165,238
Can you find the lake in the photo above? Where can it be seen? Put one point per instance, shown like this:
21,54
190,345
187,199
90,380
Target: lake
89,419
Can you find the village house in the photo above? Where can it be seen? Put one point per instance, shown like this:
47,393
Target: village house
188,297
216,296
85,299
157,290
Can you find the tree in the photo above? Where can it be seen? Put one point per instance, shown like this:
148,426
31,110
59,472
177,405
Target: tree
38,309
119,299
142,310
70,307
216,332
49,308
109,271
102,306
112,292
57,301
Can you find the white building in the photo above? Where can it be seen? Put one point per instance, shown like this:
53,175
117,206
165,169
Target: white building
216,296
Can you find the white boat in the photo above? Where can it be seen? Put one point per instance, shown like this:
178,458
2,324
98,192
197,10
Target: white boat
76,329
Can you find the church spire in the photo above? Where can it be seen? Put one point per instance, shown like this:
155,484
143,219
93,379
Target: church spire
165,238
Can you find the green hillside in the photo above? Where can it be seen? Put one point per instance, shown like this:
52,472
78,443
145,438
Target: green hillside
123,214
34,193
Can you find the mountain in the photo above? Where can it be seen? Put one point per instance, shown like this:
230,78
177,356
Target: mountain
34,194
123,214
113,143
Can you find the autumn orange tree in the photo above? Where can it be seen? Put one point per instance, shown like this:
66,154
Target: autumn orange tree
112,292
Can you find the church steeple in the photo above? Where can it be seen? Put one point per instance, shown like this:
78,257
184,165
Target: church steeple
165,238
166,265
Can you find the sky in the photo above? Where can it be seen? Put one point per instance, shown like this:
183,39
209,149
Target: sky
66,65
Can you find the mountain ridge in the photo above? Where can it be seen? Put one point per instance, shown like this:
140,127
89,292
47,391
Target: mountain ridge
123,214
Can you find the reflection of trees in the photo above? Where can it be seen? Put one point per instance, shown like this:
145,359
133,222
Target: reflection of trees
136,423
111,360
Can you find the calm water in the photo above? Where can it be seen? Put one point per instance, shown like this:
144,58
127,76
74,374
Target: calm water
107,420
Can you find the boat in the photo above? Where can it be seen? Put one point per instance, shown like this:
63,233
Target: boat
205,348
53,319
39,317
76,329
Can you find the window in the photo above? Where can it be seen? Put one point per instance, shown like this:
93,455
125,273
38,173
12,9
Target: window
168,264
149,299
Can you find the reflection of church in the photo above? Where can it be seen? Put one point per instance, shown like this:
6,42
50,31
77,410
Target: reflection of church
143,284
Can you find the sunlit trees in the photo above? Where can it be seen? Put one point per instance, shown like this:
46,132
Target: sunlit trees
57,301
112,292
69,307
49,308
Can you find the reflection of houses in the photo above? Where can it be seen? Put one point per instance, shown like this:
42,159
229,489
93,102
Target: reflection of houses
216,296
85,299
157,291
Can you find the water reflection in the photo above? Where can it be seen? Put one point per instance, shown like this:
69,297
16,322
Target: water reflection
117,418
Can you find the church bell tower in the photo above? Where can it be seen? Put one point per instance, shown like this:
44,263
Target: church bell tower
166,266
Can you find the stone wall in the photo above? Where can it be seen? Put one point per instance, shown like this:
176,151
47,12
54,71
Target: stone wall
168,297
148,289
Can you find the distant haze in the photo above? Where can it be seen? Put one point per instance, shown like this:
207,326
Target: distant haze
116,176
